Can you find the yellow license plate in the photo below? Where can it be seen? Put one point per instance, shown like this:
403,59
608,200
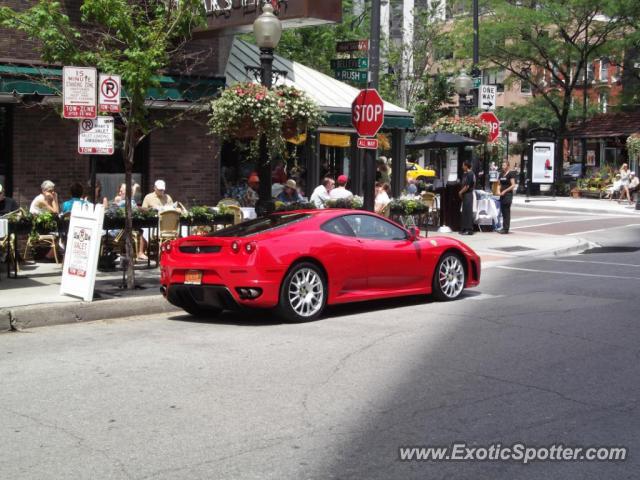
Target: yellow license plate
193,277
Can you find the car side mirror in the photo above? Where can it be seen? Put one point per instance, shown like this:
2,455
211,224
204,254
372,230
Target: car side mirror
414,233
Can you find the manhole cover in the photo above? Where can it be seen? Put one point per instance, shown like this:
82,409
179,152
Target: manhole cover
611,250
517,248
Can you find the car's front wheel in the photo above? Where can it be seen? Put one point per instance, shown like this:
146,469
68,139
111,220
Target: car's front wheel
449,277
303,294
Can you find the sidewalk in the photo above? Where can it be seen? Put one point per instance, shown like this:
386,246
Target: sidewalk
33,299
582,205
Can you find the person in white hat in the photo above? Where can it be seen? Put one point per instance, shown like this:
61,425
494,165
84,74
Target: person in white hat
157,199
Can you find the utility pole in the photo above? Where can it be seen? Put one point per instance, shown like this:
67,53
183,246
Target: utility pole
374,79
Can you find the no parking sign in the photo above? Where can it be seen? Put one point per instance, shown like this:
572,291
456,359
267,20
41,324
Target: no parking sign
109,93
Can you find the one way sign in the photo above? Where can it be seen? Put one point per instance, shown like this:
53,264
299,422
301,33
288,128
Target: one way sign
487,97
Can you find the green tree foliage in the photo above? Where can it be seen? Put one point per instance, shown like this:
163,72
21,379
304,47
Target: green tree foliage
135,39
547,44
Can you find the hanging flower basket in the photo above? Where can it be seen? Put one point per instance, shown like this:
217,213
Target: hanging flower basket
246,111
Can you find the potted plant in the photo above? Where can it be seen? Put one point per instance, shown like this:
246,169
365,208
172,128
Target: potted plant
247,111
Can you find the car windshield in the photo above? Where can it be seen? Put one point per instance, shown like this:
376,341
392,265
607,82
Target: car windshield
259,225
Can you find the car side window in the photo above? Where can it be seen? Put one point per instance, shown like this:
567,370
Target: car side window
373,228
338,226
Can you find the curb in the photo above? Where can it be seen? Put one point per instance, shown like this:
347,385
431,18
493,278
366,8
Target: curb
57,314
595,211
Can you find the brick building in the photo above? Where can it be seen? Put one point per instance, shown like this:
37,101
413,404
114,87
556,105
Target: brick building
37,144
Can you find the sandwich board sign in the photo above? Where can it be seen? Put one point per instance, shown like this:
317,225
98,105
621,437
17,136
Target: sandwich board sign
79,92
109,93
82,250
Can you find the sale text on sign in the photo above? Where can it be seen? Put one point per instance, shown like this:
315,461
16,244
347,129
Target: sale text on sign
96,136
79,92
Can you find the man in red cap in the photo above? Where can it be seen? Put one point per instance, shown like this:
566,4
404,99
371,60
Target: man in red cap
250,197
340,191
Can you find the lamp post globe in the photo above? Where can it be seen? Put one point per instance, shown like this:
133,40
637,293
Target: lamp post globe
267,28
463,84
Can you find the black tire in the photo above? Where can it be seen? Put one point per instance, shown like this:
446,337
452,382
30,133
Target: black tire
202,312
449,277
307,280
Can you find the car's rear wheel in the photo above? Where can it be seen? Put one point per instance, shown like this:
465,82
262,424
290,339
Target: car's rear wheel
303,293
449,277
202,312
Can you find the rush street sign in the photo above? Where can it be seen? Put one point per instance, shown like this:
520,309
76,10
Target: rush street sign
353,46
367,112
370,143
349,63
351,76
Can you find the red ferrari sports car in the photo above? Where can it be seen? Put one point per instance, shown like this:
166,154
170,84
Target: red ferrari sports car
298,262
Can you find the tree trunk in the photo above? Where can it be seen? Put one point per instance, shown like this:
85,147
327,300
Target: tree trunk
129,150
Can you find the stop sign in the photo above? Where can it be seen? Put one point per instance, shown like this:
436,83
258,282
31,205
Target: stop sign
493,123
367,112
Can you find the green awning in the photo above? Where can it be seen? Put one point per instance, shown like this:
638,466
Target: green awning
390,121
17,80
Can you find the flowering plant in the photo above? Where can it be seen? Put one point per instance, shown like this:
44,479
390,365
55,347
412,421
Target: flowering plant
248,110
633,145
471,127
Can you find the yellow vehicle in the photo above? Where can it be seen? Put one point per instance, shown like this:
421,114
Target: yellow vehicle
419,174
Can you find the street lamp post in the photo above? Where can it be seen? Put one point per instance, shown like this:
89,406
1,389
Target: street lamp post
462,85
267,29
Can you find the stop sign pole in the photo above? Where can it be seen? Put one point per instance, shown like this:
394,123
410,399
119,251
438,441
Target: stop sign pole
367,116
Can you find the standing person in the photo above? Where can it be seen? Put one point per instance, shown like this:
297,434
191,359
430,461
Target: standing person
157,199
7,204
340,191
320,195
383,198
47,201
507,186
625,178
466,195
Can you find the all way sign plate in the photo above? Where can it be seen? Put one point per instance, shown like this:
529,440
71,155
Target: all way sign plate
369,143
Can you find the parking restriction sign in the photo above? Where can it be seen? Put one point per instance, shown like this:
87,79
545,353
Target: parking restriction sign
96,136
109,93
79,92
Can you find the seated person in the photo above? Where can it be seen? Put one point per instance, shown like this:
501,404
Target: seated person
634,182
382,198
76,192
120,199
290,193
615,188
251,196
158,199
7,204
341,191
47,201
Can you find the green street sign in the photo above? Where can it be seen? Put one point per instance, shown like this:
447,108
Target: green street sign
349,63
477,81
351,76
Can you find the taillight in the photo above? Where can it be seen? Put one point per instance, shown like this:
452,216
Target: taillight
250,247
235,246
165,247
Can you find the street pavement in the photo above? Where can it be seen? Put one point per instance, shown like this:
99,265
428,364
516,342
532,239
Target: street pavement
545,351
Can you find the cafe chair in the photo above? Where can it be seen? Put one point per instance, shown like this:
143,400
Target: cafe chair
168,225
431,200
229,201
238,216
49,240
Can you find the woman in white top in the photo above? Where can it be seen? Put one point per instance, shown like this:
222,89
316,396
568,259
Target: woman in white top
47,201
382,198
625,178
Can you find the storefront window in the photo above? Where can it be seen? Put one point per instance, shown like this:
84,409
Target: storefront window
110,171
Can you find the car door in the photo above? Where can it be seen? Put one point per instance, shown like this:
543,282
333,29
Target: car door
343,257
393,260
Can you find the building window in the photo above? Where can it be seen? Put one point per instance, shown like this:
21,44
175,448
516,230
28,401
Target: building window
604,70
603,101
495,77
525,87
